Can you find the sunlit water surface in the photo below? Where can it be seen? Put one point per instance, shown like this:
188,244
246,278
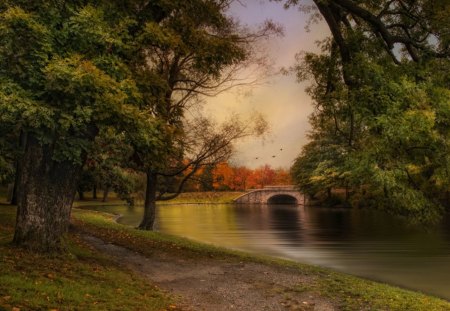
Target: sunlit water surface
364,243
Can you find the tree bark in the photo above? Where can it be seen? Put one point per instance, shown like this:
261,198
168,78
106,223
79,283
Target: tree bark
81,194
45,196
105,194
148,221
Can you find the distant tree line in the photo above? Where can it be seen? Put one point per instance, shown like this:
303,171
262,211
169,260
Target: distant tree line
98,182
225,176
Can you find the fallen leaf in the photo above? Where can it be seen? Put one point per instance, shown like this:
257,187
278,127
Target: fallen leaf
51,276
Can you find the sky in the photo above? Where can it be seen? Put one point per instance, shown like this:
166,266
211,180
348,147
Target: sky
280,99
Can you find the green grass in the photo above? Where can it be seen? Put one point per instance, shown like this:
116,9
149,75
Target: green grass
82,280
224,197
358,294
205,197
347,292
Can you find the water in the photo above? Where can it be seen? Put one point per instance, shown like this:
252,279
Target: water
364,243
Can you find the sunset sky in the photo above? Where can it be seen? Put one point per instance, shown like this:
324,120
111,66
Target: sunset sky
281,99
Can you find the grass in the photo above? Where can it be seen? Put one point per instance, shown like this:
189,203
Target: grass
347,292
358,294
205,197
223,197
82,280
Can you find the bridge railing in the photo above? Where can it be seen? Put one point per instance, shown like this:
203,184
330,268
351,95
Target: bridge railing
281,187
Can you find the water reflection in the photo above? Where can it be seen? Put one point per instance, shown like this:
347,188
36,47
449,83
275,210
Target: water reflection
365,243
285,222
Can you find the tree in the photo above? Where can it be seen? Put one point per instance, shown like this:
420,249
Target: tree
387,113
241,175
206,178
204,144
226,176
64,76
282,177
194,51
262,176
223,176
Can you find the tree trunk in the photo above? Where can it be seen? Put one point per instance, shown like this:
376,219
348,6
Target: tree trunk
94,192
45,196
81,194
22,145
105,194
148,220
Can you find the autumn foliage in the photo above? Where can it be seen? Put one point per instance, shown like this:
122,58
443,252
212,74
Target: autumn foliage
225,176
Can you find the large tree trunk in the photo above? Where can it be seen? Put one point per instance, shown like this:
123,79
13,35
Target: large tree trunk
148,220
45,196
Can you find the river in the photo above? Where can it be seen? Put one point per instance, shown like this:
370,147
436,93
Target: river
370,244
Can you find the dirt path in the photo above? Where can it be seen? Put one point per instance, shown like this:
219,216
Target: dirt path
217,284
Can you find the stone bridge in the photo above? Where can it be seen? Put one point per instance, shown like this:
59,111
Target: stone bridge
272,195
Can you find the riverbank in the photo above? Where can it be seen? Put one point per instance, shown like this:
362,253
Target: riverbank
109,260
210,197
214,278
222,197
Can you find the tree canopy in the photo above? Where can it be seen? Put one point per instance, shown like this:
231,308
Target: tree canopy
381,123
76,76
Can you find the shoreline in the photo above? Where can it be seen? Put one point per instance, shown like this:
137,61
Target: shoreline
174,273
347,271
186,246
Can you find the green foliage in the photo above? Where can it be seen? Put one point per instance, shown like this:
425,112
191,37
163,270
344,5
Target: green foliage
64,74
72,71
380,129
26,47
322,165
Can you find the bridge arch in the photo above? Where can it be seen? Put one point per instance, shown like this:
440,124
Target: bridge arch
282,199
